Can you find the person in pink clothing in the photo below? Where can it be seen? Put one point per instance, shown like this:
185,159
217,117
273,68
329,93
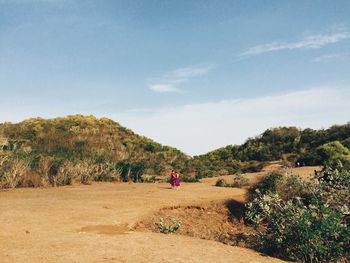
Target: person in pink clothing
172,178
177,180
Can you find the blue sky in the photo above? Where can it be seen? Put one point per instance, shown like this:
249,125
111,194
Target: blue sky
193,74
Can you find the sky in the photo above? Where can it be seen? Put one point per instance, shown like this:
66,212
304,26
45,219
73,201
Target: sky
193,74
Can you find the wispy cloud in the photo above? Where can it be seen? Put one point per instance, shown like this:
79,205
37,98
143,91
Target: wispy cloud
308,42
170,80
190,127
162,88
186,73
331,57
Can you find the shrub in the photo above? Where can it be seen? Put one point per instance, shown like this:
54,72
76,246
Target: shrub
84,171
295,231
149,179
190,179
130,171
288,160
286,186
69,172
44,168
106,173
332,152
302,221
221,183
168,225
222,172
31,179
252,167
336,176
269,183
240,180
205,173
106,177
291,186
65,174
13,172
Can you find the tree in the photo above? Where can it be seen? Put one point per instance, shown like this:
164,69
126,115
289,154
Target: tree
332,152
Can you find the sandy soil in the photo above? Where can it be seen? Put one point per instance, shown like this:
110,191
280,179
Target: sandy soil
218,221
93,224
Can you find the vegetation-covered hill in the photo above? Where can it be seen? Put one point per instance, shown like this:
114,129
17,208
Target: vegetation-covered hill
84,142
80,148
292,145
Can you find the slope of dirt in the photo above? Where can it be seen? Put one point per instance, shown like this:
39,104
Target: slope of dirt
93,224
218,221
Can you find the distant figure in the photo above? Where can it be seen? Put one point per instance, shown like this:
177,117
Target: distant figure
172,178
177,180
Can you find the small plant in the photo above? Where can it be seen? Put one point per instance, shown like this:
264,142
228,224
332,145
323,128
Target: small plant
221,183
168,225
240,180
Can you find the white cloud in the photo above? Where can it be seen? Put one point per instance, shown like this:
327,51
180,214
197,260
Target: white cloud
330,57
309,42
186,73
163,88
199,128
168,82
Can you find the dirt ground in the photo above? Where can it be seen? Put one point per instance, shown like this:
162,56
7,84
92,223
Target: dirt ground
218,221
96,223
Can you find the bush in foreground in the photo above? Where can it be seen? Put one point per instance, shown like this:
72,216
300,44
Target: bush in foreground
300,221
295,231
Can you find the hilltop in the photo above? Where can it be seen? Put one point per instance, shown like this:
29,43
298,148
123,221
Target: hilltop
291,145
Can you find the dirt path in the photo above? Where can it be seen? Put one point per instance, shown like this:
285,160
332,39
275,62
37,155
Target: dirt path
92,224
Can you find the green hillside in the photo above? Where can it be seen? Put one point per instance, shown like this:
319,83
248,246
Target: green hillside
290,144
60,151
101,145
